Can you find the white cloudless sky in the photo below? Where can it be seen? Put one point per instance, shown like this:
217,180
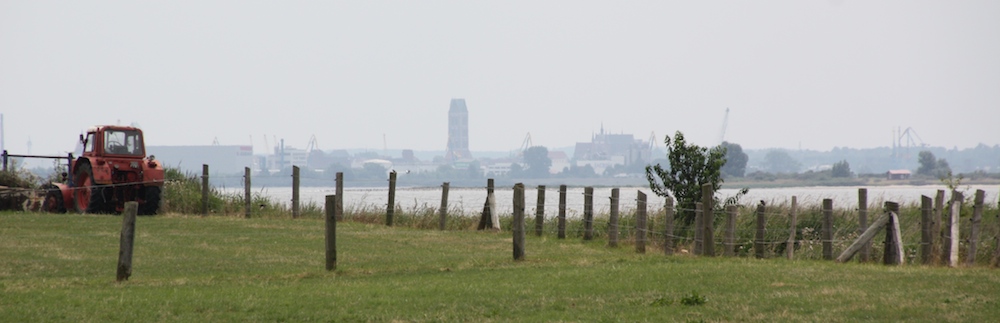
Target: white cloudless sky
363,74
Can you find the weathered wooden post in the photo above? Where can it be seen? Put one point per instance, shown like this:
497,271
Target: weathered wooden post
339,202
204,190
295,192
977,218
828,229
540,211
246,192
729,242
758,242
708,219
668,230
561,217
699,231
127,241
444,206
926,225
863,222
938,248
951,229
640,223
518,226
613,220
588,213
790,245
893,244
489,217
390,209
331,231
996,248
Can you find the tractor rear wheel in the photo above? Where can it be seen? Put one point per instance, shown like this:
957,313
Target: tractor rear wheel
88,197
53,202
152,202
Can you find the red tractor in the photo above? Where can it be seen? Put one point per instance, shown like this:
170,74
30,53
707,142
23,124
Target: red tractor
113,169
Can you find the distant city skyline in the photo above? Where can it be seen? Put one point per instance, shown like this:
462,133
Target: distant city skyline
376,75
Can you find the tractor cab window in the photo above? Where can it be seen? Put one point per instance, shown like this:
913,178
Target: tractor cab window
123,142
88,144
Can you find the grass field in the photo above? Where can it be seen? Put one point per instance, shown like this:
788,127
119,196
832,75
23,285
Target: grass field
62,268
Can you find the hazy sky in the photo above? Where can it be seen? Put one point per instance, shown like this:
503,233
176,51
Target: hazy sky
809,74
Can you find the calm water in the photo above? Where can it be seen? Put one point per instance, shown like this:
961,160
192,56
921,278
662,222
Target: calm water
470,200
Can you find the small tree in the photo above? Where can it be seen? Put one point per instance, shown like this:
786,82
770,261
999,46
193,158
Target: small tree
736,160
538,161
690,167
841,169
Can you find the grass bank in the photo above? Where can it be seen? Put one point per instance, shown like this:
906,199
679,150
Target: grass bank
62,267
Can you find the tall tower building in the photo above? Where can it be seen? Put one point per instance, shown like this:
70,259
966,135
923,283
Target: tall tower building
458,131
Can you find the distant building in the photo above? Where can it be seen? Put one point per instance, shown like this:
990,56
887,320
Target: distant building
898,174
559,161
606,150
458,132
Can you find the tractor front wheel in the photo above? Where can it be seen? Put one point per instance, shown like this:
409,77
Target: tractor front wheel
152,202
53,202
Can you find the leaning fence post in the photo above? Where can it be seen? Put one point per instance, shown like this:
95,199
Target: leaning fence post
668,230
561,217
790,245
828,229
708,219
295,192
613,219
518,226
204,190
926,225
540,211
444,206
729,241
246,192
977,218
390,209
758,243
951,237
893,254
863,222
127,241
640,223
331,232
588,213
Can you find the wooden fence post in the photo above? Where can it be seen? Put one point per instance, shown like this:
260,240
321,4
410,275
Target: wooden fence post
790,245
951,229
204,189
246,192
865,237
295,192
758,242
390,209
893,254
561,217
828,229
863,222
977,218
640,223
127,240
699,231
613,220
668,230
540,211
926,225
339,202
331,231
488,218
996,248
708,220
938,248
729,242
444,206
588,213
518,226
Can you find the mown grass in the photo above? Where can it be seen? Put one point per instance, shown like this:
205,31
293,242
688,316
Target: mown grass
188,268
